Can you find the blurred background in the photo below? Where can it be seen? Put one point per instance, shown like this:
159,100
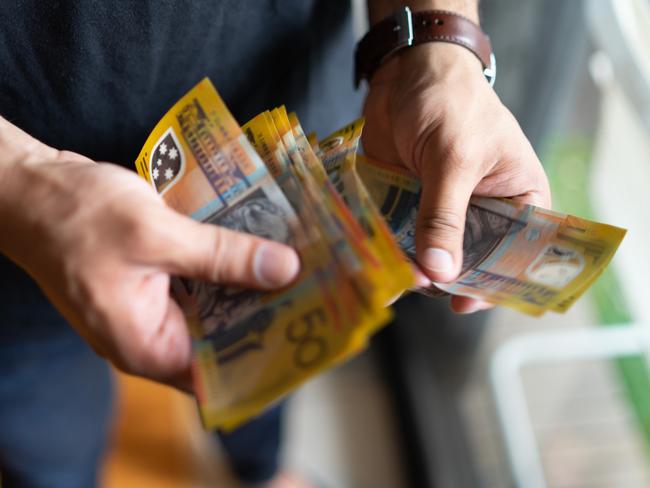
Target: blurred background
497,399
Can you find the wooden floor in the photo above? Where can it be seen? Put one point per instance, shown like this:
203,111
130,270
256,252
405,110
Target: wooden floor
158,441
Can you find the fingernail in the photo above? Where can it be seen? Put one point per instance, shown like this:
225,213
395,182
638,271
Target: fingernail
437,260
476,306
275,265
421,279
485,305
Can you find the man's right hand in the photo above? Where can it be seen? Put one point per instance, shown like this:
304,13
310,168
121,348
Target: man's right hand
102,245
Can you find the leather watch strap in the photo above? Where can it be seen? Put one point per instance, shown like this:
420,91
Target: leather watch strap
405,28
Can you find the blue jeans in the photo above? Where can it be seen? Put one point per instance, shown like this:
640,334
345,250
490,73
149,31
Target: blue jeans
56,400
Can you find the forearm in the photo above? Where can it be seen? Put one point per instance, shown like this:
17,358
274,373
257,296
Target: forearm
380,9
25,183
18,150
13,152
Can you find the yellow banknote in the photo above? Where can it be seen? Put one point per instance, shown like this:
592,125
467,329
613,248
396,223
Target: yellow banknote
517,255
354,286
336,205
249,347
339,152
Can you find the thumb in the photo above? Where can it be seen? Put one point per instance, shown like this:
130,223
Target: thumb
211,253
441,222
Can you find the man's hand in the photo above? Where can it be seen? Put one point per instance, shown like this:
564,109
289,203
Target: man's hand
102,245
431,110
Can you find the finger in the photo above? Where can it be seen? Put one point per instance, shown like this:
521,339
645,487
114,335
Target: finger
518,170
441,221
467,305
172,351
421,279
183,382
539,198
159,351
169,349
211,253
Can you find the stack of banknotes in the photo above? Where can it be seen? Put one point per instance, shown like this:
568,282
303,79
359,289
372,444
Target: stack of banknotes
352,221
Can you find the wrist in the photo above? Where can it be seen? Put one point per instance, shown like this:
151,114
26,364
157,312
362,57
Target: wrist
21,159
399,36
13,154
434,62
12,186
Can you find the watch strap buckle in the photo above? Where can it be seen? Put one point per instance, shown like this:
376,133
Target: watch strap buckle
490,72
403,27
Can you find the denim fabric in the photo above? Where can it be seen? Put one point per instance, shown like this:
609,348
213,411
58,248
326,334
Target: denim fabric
253,449
55,406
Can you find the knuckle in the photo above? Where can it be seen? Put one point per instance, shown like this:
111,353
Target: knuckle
137,357
443,224
455,158
214,255
149,358
152,351
111,312
135,231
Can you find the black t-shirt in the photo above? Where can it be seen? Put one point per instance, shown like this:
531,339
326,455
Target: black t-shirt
95,76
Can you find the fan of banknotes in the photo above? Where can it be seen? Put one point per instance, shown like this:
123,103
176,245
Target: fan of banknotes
352,221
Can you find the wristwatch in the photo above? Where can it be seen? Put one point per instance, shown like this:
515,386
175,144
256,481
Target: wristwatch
405,28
